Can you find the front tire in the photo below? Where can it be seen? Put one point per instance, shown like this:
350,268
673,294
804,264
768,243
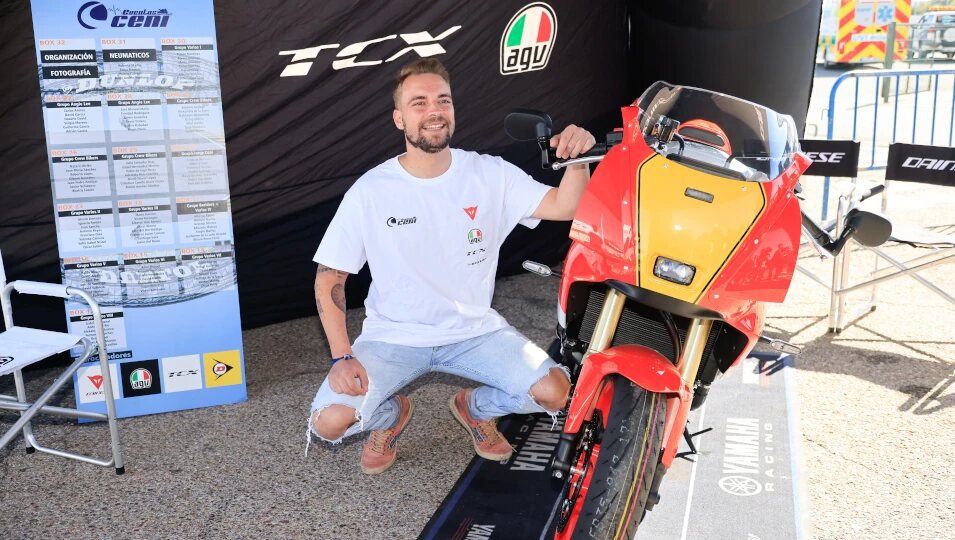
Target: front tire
610,490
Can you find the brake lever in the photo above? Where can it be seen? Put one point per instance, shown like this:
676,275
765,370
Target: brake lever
593,155
558,165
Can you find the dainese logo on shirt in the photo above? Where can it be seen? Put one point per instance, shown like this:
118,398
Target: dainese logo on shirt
396,222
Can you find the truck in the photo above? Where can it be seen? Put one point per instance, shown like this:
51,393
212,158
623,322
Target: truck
855,31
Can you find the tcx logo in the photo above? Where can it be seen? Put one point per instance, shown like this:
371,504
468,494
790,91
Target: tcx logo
394,222
929,163
421,43
826,157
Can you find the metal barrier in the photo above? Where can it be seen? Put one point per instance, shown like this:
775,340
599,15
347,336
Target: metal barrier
937,81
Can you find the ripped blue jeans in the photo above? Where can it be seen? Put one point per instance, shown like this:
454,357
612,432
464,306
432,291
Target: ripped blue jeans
504,361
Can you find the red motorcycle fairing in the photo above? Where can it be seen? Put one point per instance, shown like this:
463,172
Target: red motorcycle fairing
762,269
643,366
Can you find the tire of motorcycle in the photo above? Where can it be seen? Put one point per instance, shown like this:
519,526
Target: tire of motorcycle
630,449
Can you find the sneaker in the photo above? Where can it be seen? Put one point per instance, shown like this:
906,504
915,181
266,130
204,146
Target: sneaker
489,443
381,448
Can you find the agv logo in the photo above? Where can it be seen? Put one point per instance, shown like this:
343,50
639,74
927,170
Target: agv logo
140,379
528,39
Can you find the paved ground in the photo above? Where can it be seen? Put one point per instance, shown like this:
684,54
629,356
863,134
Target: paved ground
878,400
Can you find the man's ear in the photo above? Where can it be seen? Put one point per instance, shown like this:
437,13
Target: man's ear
396,116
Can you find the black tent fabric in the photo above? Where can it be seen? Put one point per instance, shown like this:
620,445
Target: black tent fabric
760,51
296,142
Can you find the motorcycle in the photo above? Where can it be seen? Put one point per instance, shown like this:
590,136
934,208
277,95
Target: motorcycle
689,225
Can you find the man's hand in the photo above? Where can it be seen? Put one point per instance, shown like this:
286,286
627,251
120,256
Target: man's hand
348,377
572,142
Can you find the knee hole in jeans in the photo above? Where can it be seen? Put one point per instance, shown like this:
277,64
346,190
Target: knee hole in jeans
552,390
333,421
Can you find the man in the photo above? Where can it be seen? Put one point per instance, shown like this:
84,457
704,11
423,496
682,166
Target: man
429,223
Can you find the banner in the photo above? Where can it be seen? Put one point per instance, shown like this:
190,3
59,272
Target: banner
136,147
918,163
748,466
515,499
831,158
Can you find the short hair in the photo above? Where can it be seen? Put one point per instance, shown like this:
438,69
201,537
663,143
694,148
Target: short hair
420,66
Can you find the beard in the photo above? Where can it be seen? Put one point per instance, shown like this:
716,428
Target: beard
422,142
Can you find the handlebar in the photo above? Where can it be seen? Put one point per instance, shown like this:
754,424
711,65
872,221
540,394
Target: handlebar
874,190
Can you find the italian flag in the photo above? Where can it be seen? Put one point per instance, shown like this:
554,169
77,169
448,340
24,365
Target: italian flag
533,26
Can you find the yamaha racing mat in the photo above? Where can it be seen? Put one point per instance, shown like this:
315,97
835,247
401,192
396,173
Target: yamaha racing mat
743,483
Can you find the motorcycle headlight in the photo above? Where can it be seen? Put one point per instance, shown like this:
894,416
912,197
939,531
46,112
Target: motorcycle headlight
674,271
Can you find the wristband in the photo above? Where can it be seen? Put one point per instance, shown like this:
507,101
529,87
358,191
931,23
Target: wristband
343,357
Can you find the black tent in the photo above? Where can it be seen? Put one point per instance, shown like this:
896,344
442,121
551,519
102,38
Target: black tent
296,142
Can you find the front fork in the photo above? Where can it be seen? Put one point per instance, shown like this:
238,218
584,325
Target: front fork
678,409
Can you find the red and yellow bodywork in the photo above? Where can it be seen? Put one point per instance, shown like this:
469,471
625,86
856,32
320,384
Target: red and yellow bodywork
743,244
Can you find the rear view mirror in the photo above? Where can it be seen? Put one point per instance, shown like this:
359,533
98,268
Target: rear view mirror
528,125
871,229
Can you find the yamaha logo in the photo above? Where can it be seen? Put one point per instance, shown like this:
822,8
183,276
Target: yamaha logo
741,486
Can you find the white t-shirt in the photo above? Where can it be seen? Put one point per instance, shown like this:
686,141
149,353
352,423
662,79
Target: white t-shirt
431,244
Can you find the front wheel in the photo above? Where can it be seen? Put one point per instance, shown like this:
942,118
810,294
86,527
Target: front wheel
615,464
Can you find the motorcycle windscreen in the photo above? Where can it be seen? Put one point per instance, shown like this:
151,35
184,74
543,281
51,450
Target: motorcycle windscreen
692,218
717,132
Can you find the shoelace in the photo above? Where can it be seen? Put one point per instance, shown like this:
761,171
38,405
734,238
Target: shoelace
378,439
488,430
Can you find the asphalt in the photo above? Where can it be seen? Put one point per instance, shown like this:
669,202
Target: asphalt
876,405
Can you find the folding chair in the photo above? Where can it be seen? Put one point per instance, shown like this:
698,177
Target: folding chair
906,163
21,346
834,158
831,158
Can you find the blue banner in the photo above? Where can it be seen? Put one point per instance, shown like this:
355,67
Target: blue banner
136,147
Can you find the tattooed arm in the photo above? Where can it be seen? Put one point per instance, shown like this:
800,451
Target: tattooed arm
330,301
346,376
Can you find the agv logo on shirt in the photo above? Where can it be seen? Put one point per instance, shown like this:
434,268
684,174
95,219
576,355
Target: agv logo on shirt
475,236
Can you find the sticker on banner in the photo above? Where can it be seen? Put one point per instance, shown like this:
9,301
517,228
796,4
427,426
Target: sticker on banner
222,368
182,373
91,387
140,378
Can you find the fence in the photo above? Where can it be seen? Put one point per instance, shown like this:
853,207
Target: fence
901,92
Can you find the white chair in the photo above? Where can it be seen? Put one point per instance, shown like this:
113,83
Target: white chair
20,347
